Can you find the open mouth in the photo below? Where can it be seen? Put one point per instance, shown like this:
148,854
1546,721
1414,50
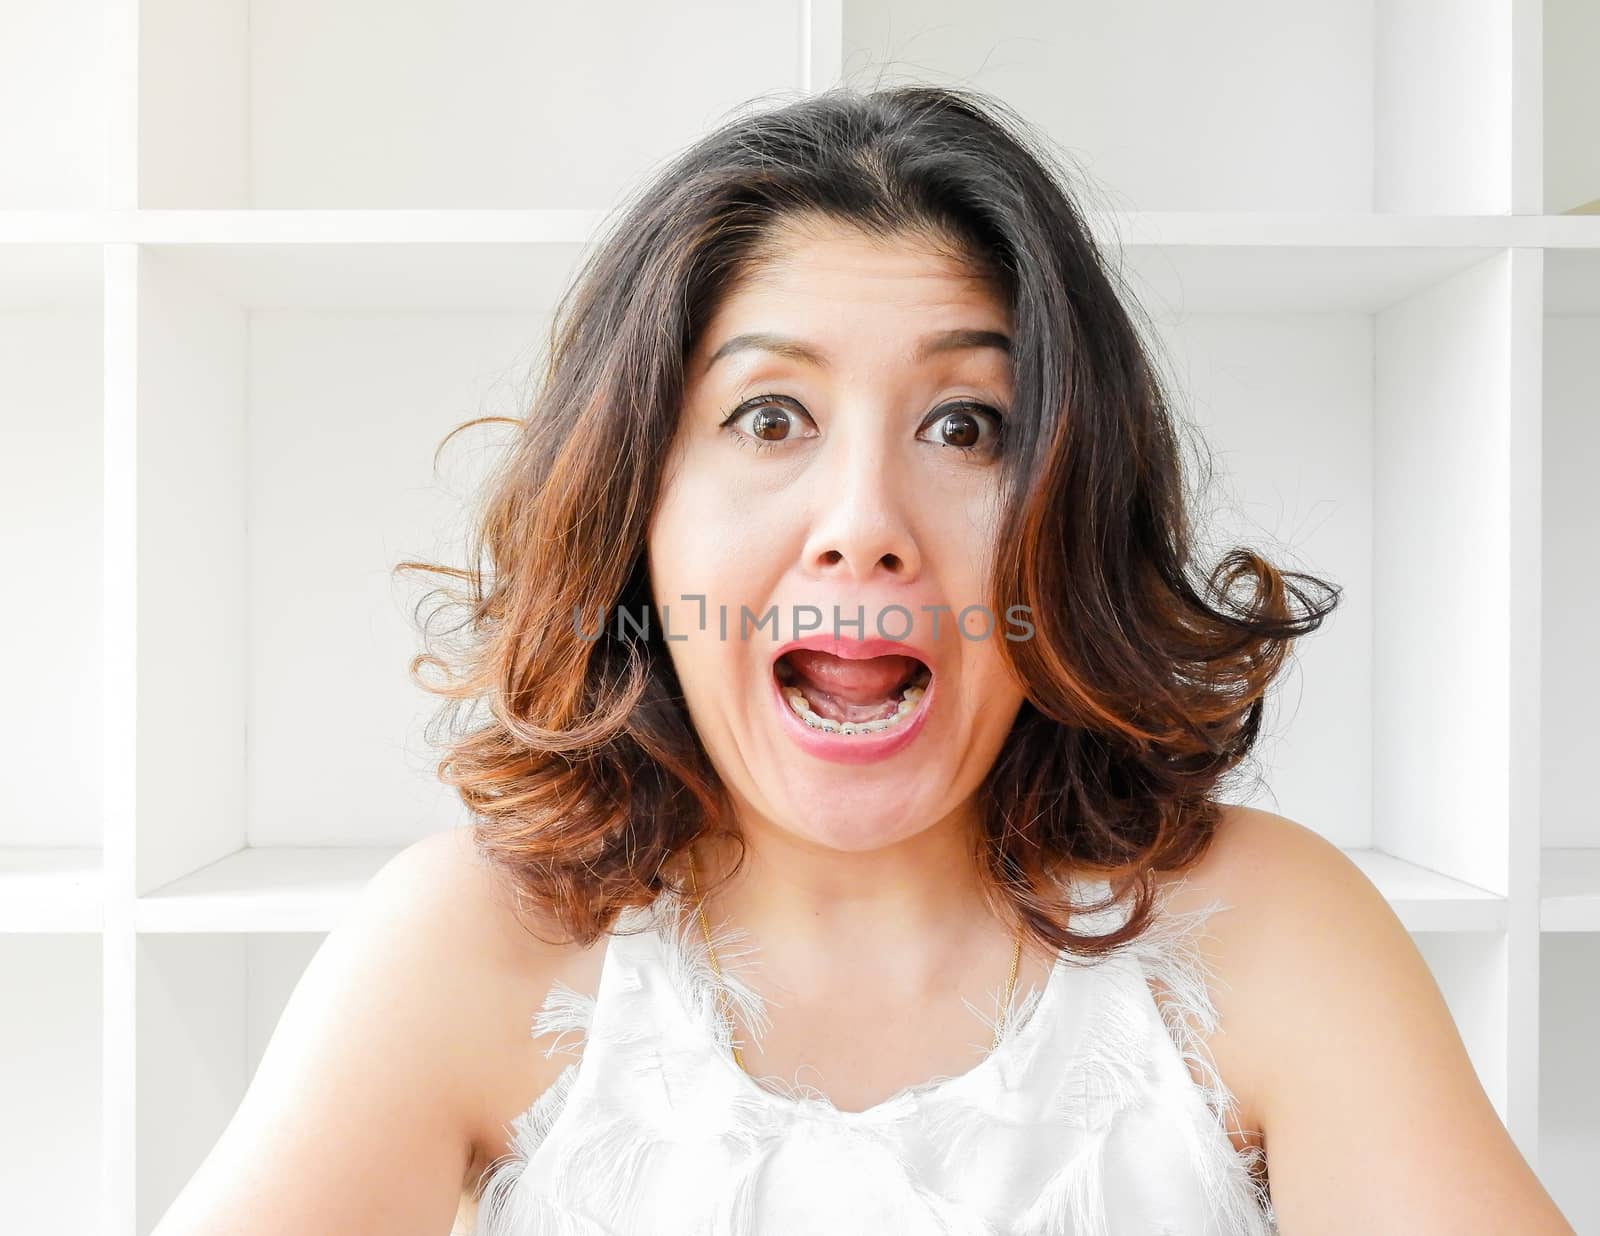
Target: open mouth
837,695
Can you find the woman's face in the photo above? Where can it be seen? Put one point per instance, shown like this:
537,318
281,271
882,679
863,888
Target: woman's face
817,476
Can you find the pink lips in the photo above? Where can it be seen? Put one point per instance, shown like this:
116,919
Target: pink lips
851,748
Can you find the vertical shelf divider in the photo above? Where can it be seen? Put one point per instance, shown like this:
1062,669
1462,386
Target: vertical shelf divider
1524,542
120,631
121,704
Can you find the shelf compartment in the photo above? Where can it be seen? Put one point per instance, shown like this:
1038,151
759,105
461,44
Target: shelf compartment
53,89
1471,970
251,103
1569,1086
1571,103
50,1083
1316,425
207,1007
51,439
274,639
1249,104
1569,727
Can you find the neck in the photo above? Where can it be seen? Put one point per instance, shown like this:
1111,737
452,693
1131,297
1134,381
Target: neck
904,911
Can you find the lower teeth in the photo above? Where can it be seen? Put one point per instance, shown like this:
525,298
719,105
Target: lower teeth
908,704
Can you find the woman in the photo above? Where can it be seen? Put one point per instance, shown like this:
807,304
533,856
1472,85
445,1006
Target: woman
846,678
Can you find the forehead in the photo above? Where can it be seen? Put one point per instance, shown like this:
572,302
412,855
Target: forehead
845,289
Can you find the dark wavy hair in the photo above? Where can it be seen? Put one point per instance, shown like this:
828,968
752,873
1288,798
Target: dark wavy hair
1144,682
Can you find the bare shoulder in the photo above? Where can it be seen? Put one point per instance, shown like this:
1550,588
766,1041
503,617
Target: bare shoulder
1261,867
507,955
404,1045
1340,1049
445,876
1250,844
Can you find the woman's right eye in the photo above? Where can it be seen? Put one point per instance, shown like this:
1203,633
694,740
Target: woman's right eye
771,420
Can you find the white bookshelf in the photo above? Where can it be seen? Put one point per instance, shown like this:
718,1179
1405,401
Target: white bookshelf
258,256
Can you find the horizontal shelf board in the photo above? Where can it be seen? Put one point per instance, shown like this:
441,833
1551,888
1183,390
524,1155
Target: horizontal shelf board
1568,231
50,889
308,888
273,889
1570,889
264,889
497,260
1425,900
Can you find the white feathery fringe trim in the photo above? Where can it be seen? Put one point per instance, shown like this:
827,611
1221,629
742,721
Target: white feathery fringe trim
506,1205
564,1011
1003,1025
538,1216
956,1131
1111,1074
1169,953
606,1156
601,1162
599,1165
1008,1022
688,965
1072,1202
954,1219
956,1128
899,1192
735,1206
689,970
1113,1070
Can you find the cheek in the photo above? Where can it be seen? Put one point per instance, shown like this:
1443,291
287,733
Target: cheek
715,535
962,532
708,556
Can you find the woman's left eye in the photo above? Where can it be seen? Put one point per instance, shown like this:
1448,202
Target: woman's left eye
962,426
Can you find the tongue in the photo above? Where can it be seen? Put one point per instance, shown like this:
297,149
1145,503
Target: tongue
850,689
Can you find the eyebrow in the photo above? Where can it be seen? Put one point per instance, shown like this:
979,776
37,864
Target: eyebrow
796,349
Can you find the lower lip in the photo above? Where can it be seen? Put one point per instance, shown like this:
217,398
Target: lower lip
852,748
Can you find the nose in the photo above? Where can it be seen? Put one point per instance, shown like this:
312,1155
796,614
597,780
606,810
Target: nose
861,530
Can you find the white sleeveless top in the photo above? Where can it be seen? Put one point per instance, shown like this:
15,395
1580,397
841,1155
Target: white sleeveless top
1085,1120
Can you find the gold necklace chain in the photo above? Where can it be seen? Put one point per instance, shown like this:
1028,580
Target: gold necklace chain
722,992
